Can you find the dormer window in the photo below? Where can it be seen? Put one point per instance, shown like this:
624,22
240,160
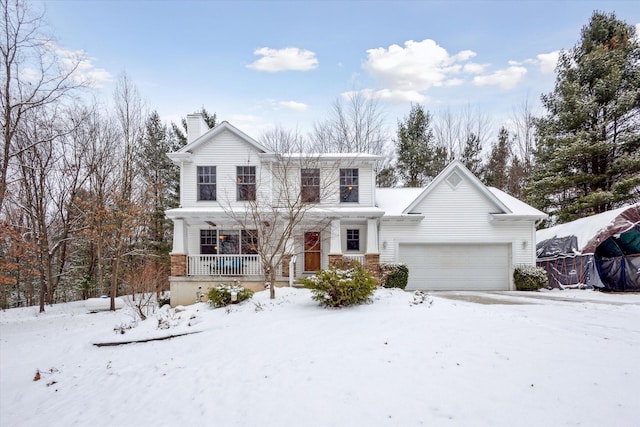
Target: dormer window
310,185
246,183
349,185
206,183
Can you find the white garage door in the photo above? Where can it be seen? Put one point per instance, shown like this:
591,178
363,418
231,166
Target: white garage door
477,266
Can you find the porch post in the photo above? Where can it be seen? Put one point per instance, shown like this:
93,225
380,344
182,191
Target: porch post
372,236
335,247
179,254
372,255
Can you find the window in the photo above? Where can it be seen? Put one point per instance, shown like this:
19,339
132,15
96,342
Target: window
349,185
208,242
249,241
228,242
206,183
246,183
353,240
310,185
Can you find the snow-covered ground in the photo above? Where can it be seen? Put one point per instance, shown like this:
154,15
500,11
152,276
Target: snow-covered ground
560,358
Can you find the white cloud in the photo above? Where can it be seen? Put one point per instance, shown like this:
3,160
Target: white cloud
293,105
548,61
416,67
506,78
473,68
81,66
287,59
453,82
389,95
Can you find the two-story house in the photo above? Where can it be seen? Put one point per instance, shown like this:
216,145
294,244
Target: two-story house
453,234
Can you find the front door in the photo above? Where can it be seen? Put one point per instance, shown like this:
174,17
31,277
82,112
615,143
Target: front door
311,251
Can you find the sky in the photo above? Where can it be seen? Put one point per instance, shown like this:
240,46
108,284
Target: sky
260,64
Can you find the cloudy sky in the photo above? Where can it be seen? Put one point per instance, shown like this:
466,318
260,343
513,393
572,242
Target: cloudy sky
263,63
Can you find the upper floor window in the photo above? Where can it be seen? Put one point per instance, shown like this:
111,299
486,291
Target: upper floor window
206,183
310,185
349,185
246,183
353,240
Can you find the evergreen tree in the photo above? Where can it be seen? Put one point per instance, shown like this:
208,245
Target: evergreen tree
419,159
588,154
496,170
160,176
471,154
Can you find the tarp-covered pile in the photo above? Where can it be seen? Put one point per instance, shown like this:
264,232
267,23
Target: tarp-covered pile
601,251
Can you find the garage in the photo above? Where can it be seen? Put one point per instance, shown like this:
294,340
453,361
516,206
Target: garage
457,266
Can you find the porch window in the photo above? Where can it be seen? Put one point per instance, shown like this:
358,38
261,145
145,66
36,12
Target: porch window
228,242
246,179
353,240
208,242
310,185
349,185
206,183
249,241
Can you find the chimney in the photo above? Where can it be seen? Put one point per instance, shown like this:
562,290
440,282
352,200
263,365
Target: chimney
196,127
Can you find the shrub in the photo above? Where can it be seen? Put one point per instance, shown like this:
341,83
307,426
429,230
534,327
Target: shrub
222,295
394,275
340,287
164,299
530,278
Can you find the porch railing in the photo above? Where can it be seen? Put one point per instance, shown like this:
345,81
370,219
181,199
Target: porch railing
354,257
224,265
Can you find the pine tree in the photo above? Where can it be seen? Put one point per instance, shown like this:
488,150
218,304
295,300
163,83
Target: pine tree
159,175
471,154
496,171
588,154
419,159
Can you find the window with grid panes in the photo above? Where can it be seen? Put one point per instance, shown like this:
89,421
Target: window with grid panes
246,183
206,183
349,185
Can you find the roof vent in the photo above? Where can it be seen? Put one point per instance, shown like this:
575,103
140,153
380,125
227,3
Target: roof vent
454,179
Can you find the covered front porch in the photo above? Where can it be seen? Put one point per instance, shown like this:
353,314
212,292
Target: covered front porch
208,252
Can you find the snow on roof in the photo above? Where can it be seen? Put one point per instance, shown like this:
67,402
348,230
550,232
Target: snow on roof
584,228
516,206
393,201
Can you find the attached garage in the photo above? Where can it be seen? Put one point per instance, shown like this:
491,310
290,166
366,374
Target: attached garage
457,266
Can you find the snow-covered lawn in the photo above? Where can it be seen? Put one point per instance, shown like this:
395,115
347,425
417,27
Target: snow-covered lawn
289,362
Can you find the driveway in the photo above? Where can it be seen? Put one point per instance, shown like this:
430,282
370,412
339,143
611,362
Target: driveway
540,297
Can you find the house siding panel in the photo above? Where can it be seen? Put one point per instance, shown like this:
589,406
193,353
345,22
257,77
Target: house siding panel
462,215
226,152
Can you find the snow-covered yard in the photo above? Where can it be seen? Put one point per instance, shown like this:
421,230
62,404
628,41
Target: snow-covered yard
562,358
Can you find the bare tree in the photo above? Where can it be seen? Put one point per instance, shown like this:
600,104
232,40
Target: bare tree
33,76
454,130
354,126
126,207
273,218
524,134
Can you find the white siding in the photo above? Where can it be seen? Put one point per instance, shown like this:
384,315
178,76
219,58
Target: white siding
225,153
460,215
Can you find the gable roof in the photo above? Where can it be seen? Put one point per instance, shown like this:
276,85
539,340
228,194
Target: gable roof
457,166
401,201
212,133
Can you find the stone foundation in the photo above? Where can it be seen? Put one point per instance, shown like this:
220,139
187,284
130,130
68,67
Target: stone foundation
185,290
